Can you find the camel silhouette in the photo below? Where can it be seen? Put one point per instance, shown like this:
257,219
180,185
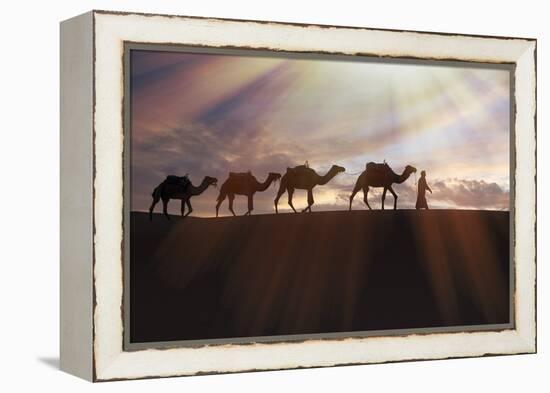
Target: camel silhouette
243,184
304,178
166,191
379,175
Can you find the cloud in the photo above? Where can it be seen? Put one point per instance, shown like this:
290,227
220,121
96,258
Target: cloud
406,197
209,114
477,194
447,193
204,151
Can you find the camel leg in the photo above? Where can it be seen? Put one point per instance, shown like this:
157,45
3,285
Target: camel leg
309,201
384,197
221,198
250,205
189,207
155,201
182,208
231,198
366,197
165,207
290,194
279,193
355,191
394,197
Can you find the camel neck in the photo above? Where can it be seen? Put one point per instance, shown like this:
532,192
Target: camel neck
326,177
198,190
402,177
264,186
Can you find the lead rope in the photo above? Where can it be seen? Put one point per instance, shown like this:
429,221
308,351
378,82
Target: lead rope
353,174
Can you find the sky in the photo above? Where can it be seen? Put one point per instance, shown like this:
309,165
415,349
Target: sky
209,114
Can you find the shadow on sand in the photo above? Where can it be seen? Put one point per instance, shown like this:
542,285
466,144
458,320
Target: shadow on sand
338,271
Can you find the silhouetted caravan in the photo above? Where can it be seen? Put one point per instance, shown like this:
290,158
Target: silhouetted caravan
303,178
379,175
178,187
246,184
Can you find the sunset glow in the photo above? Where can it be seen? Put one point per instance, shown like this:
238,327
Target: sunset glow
207,115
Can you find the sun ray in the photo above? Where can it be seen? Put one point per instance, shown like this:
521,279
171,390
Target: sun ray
267,113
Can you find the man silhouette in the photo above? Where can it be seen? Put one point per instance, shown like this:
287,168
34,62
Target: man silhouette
421,202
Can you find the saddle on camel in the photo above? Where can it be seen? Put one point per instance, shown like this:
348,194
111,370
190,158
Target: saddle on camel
182,181
241,175
377,168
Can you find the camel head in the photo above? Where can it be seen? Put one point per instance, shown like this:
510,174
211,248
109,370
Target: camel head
337,169
274,176
211,181
333,171
410,169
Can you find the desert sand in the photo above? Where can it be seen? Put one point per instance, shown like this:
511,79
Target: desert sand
320,272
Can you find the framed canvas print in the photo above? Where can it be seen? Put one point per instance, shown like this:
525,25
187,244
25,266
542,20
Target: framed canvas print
245,195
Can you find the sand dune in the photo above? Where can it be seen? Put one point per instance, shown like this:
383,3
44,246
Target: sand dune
204,278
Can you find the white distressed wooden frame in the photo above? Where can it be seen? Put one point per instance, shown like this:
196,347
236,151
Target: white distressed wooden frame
92,143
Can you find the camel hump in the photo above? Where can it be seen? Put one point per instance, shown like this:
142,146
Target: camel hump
182,182
240,174
299,168
377,167
300,172
178,180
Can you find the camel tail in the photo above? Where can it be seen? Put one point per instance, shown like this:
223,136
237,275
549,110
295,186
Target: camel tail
222,194
359,182
155,191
